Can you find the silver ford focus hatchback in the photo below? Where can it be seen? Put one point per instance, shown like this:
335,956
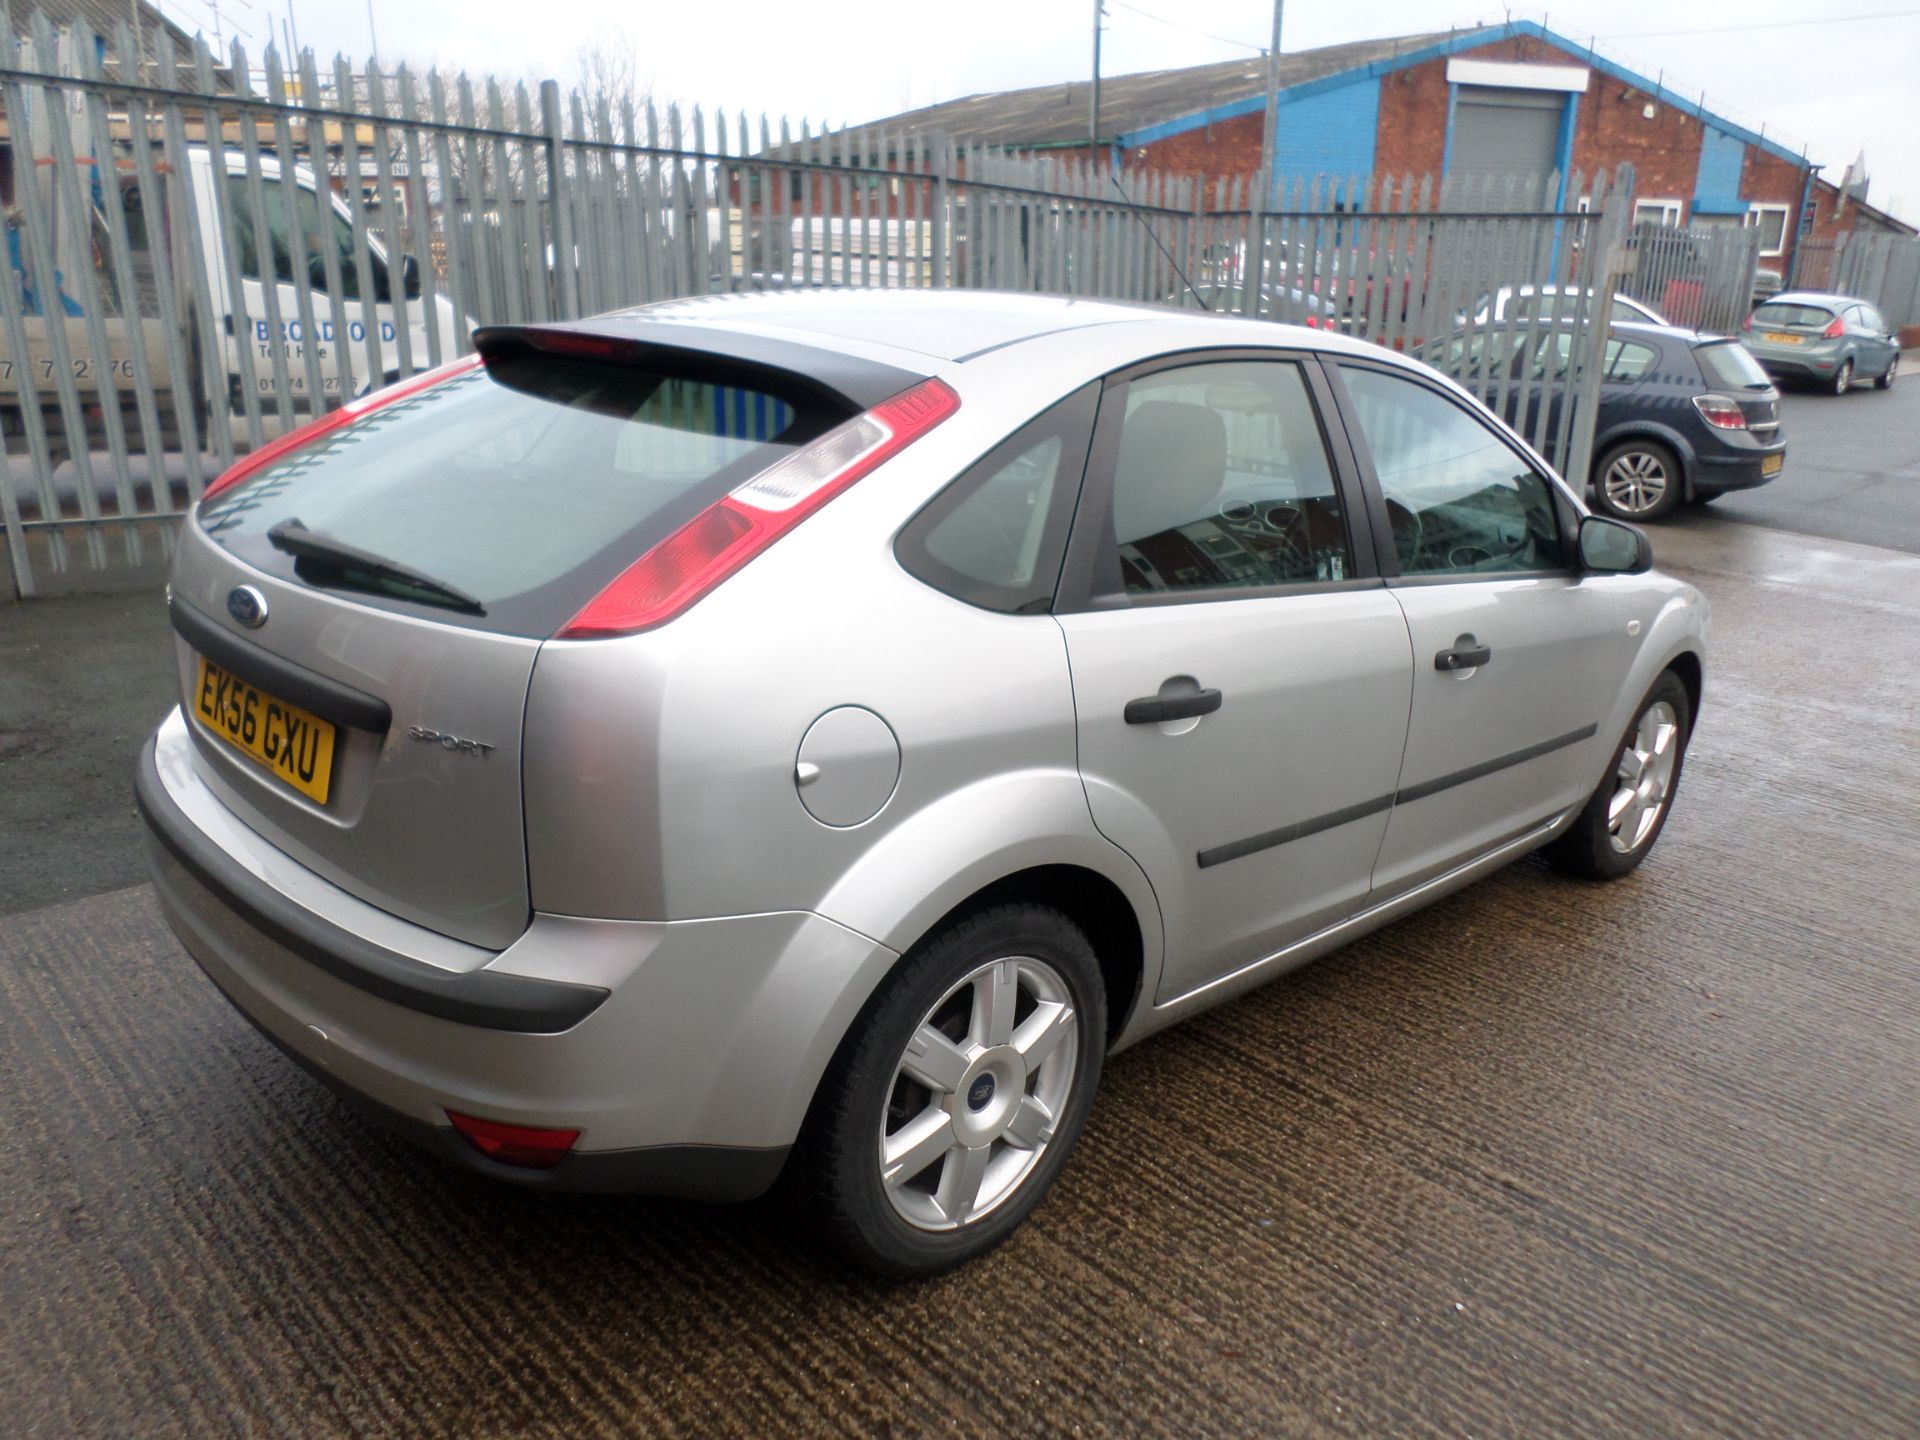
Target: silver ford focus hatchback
798,737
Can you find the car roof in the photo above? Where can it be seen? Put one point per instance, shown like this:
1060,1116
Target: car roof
925,330
1812,297
1686,334
946,325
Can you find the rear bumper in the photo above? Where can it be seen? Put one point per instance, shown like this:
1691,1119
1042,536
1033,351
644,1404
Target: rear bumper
1716,474
1799,365
693,1047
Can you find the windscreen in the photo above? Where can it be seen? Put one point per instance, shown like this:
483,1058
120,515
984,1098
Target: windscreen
524,487
1731,367
1789,316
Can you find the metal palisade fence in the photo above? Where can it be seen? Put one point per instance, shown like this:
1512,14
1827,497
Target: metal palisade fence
200,257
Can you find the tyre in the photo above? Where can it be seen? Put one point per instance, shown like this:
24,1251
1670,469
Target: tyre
1843,378
1885,382
1637,480
1620,824
958,1094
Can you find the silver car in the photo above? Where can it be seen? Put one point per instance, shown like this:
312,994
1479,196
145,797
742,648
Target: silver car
808,733
1831,340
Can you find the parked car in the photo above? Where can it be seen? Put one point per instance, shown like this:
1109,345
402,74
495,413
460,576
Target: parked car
1493,309
1684,416
731,736
1831,340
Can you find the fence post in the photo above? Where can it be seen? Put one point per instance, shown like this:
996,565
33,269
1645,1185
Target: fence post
563,256
942,152
1608,262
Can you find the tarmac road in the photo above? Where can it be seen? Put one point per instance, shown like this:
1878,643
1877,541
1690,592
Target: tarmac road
1547,1159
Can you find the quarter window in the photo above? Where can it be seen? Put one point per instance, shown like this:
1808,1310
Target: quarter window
1221,480
1460,500
994,537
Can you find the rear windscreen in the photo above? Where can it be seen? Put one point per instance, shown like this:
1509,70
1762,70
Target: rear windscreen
526,486
1731,367
1792,315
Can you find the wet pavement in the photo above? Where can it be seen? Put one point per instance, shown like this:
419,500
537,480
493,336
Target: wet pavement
1547,1159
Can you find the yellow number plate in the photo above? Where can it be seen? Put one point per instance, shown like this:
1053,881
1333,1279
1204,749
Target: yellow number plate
293,744
1771,465
1778,339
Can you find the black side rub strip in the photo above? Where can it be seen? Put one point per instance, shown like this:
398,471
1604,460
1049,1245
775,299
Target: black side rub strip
1237,849
482,998
325,697
1234,849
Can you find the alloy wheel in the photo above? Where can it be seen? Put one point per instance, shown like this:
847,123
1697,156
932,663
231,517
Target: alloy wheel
1636,482
1843,377
977,1093
1644,779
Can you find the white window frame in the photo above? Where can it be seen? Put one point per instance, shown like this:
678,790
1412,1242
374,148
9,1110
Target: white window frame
1785,212
1670,212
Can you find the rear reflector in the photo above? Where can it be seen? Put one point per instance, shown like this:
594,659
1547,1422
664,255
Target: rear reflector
730,532
522,1145
1720,412
258,460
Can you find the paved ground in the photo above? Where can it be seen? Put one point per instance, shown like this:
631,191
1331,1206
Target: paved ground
1853,467
1548,1159
67,826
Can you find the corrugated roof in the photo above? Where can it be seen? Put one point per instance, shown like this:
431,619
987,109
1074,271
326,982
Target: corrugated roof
104,18
1058,114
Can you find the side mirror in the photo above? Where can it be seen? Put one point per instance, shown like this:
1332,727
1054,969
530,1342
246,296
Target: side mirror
1611,547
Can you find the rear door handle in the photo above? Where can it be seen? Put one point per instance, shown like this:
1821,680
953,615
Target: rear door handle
1155,709
1467,654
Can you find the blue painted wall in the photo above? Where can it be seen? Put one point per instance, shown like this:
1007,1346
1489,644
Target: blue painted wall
1717,191
1330,133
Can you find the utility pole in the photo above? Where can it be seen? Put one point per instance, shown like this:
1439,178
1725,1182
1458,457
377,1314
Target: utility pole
1254,274
1093,118
1273,104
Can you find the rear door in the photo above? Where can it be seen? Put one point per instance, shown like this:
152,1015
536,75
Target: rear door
1515,661
1240,674
364,712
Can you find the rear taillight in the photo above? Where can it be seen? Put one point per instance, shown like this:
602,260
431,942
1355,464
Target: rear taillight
1835,330
1720,412
527,1146
730,532
252,464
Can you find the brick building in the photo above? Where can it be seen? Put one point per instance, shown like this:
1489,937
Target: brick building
1509,99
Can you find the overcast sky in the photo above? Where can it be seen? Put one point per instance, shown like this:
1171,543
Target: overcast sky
1827,80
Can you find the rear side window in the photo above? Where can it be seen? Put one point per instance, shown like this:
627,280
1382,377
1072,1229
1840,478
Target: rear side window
1730,366
528,485
1790,316
995,536
1629,361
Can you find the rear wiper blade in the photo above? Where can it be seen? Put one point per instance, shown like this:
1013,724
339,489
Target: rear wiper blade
336,555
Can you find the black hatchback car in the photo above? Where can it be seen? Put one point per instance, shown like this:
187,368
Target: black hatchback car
1684,416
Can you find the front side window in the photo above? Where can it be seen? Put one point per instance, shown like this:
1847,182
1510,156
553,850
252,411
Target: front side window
298,235
1221,479
1460,500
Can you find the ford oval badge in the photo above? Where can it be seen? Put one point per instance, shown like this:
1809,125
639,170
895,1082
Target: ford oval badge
248,606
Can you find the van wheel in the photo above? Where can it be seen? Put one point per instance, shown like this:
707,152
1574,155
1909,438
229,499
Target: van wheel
1626,814
1637,480
959,1092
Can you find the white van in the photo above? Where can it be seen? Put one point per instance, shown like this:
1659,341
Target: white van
300,219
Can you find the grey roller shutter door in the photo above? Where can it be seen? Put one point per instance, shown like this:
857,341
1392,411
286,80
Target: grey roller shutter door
1505,132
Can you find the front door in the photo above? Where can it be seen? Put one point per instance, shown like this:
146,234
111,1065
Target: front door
1515,659
1241,676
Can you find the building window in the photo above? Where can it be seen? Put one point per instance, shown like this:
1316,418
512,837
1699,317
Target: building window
1772,222
1658,212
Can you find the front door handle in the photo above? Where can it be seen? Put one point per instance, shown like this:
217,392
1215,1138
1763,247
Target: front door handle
1467,654
1155,709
